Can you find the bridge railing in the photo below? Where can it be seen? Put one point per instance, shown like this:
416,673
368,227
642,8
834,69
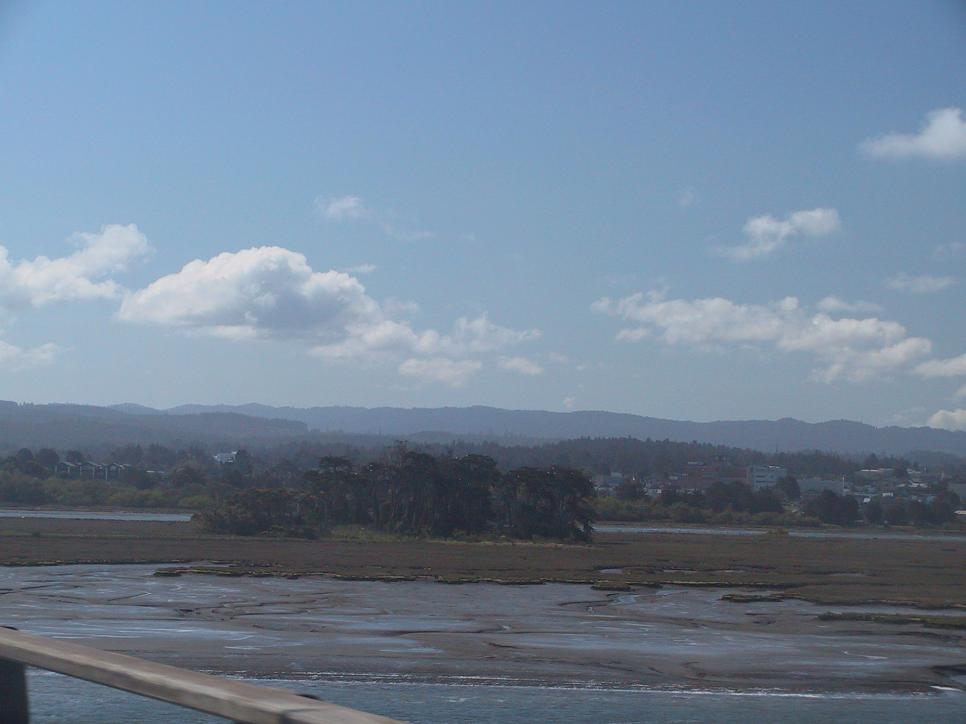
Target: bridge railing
235,700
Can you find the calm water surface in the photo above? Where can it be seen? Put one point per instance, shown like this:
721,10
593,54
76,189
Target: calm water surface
603,528
56,698
95,515
725,530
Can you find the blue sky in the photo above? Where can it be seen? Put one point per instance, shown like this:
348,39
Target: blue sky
672,209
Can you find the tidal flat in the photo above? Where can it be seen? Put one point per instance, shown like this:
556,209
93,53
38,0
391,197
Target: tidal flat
555,634
748,615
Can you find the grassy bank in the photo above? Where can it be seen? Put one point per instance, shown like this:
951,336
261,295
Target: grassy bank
917,572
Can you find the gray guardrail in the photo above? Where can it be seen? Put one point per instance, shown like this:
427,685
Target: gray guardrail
235,700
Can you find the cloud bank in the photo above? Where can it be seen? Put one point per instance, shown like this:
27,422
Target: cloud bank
521,365
440,369
952,367
845,348
13,358
949,419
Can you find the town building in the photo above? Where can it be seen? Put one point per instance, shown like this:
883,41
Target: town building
760,477
90,471
698,476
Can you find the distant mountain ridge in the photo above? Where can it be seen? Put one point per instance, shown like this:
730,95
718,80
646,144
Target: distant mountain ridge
64,426
786,434
83,426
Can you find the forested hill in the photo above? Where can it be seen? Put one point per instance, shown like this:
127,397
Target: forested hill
787,434
83,426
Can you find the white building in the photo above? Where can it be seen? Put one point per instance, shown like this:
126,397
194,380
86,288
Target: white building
760,477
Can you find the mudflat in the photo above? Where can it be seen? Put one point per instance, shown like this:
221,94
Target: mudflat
921,573
554,634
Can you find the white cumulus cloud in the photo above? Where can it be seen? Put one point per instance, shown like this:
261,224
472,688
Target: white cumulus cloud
952,367
942,136
441,369
273,293
259,292
521,365
766,234
82,275
919,284
845,348
949,419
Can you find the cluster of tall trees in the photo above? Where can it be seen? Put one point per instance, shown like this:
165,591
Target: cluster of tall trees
437,489
30,477
631,456
652,458
719,496
939,511
829,507
417,493
845,510
41,464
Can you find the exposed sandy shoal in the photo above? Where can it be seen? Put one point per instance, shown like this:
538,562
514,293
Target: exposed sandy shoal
923,573
554,634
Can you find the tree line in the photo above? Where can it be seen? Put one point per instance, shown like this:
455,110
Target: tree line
731,502
417,493
735,502
189,477
845,510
